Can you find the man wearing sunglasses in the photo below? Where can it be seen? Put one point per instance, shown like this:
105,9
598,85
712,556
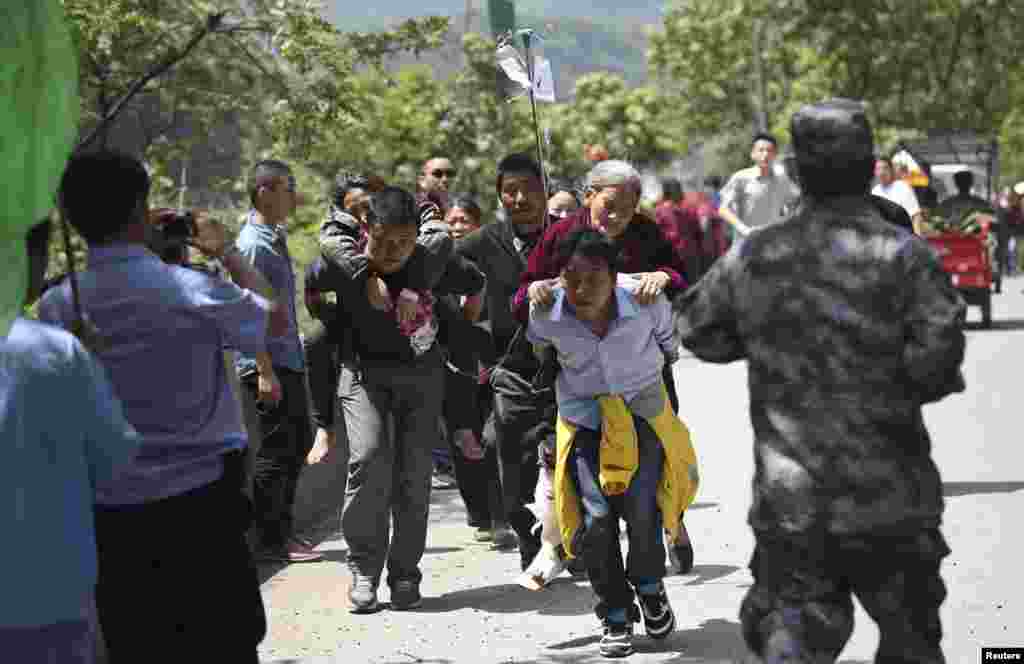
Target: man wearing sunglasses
434,184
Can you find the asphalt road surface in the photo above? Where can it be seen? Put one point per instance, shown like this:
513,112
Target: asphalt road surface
473,612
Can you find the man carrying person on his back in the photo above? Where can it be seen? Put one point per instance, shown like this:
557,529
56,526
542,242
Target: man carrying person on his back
622,452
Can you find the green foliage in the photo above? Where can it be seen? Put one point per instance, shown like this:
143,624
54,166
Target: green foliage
924,65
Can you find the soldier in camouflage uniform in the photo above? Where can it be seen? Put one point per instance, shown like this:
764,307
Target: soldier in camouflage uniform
849,326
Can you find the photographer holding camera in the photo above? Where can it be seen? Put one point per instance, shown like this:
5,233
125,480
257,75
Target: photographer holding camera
175,571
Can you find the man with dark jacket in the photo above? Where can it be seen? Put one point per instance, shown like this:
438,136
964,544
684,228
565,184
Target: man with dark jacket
524,412
849,326
390,393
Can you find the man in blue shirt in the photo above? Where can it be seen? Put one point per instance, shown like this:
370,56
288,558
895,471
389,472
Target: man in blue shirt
175,572
50,469
286,434
610,344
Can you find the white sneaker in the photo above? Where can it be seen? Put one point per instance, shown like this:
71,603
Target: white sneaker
545,568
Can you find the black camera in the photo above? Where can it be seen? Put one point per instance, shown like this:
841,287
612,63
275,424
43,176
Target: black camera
171,231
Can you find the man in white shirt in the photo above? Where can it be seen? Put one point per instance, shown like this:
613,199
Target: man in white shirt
897,191
759,195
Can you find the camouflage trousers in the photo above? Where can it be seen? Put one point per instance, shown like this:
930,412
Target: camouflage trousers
800,608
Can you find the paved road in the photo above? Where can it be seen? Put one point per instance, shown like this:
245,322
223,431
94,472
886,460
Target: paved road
473,613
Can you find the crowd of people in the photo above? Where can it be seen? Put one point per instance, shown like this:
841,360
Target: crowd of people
531,356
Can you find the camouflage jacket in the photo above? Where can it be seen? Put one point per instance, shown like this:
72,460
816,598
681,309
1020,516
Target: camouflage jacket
848,325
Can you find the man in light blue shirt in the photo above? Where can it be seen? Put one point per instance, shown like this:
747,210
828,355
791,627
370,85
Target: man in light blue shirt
610,344
286,432
170,531
50,469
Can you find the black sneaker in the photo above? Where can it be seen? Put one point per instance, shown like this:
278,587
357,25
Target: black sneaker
659,621
617,640
680,556
363,594
405,595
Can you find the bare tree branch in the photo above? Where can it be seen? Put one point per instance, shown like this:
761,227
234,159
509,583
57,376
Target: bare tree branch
213,24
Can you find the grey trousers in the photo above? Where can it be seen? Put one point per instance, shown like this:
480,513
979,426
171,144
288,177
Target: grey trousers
390,414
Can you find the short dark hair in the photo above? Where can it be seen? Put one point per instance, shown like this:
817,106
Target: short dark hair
588,243
763,136
672,189
102,193
558,185
963,180
714,181
467,203
344,182
263,172
393,206
884,157
519,162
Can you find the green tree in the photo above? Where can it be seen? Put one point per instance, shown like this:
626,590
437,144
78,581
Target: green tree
922,65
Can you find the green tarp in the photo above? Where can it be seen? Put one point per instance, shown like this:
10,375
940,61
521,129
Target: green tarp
39,108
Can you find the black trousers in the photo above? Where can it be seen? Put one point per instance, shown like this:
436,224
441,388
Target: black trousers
477,480
286,437
524,419
176,579
800,609
614,580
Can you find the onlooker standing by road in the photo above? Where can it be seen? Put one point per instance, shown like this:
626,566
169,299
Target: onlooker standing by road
956,206
172,526
759,195
1011,223
897,191
52,468
286,436
843,348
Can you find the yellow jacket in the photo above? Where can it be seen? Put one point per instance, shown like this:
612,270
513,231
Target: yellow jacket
619,458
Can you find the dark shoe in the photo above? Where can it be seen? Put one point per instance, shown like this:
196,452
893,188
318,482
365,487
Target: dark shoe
617,640
577,568
363,594
659,621
405,595
503,539
681,557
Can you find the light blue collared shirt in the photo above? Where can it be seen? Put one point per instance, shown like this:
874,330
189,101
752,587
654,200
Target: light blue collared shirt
266,247
164,330
63,433
628,361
